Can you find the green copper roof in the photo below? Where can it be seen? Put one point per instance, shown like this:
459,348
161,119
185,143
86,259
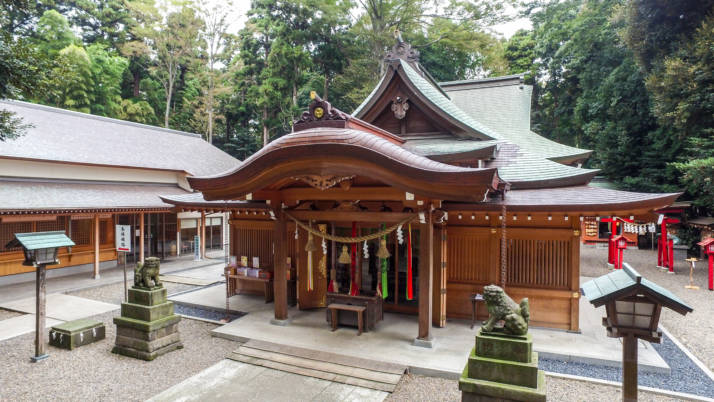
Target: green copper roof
446,146
507,109
38,240
625,281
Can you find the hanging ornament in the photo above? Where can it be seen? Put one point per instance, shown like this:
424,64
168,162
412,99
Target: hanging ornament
296,232
324,246
344,256
332,285
365,250
410,290
400,235
310,245
383,252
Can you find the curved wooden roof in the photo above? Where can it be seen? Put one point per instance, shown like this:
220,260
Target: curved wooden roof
345,152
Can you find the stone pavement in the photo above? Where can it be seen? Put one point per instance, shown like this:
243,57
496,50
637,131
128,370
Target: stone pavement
21,325
61,307
236,381
392,341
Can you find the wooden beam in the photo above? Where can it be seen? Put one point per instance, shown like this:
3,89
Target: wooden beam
349,216
280,282
339,194
96,246
426,278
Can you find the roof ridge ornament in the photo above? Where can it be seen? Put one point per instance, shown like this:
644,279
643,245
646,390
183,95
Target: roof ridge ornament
320,110
402,50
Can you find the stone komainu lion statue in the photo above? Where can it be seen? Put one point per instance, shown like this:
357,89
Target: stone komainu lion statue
501,307
147,274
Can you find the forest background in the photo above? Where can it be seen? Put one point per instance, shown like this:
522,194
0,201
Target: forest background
632,80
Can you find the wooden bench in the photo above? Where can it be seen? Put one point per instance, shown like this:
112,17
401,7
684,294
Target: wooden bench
335,307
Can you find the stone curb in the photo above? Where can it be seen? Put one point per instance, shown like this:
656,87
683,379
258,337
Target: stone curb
689,354
658,391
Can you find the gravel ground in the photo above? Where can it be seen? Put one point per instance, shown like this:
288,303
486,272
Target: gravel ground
92,372
685,376
5,314
114,293
419,388
696,328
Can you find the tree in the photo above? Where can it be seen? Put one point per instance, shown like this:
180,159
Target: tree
107,71
54,33
172,40
72,85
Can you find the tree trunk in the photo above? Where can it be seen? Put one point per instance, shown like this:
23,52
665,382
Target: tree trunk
136,84
292,121
265,127
325,87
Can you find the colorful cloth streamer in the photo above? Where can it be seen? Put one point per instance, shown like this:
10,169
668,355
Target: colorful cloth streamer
410,291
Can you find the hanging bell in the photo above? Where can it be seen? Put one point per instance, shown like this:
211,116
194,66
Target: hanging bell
310,245
344,256
383,252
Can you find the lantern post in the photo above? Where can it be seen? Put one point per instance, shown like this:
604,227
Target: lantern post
40,250
633,306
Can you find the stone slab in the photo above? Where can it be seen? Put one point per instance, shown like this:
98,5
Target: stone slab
146,326
147,313
236,381
147,346
504,371
473,390
140,354
147,297
21,325
62,307
147,336
77,333
187,280
519,349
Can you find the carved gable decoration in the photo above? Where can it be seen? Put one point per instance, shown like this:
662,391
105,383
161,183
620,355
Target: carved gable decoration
323,182
400,105
320,111
402,50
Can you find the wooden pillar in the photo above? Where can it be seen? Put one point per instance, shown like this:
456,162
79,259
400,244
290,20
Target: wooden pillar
440,277
280,282
40,314
203,234
141,237
426,279
629,368
575,277
96,246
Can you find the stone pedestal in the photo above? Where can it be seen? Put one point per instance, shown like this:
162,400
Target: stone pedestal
502,368
148,327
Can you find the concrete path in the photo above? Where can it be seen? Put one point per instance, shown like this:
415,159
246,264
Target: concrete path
392,341
21,325
202,276
70,283
230,380
62,307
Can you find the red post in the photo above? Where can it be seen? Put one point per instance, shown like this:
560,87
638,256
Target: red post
670,263
711,271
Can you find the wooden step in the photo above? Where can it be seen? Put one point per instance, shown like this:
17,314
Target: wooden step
327,366
344,360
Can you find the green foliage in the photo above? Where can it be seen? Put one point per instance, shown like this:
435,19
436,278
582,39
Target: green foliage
698,177
520,53
53,33
139,112
107,71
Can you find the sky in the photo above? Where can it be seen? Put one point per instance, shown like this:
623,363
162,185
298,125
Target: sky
241,7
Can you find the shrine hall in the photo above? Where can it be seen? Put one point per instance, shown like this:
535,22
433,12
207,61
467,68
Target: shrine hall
413,203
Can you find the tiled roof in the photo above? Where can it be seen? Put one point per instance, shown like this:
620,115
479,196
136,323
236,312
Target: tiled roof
442,146
17,195
506,108
66,136
573,198
197,200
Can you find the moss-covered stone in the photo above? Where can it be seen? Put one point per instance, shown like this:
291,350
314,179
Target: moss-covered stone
504,347
504,371
146,326
147,297
72,334
481,390
147,313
